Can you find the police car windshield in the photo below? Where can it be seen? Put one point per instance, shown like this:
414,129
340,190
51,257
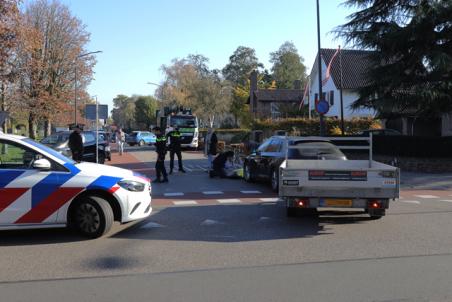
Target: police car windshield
49,151
184,122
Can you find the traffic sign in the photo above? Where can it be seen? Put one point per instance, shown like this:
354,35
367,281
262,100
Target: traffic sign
90,112
322,107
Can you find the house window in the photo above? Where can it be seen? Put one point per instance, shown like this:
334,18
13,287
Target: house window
324,96
274,110
331,100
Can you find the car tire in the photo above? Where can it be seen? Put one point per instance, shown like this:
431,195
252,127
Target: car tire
274,180
141,143
131,144
92,217
247,174
376,214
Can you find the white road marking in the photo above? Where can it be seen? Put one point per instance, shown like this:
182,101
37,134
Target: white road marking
233,200
185,202
426,196
152,225
212,192
251,192
411,201
264,218
211,222
173,194
447,200
188,169
273,199
202,168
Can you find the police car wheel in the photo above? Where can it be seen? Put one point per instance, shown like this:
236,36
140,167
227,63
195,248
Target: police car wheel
93,217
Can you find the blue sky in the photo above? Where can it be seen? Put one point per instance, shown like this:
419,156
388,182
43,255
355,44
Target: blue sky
138,36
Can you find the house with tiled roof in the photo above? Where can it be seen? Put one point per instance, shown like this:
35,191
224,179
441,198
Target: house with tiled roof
269,103
355,63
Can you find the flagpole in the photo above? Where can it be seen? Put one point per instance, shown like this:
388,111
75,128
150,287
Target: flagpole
340,90
322,123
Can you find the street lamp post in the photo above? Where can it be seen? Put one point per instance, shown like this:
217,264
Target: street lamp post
75,80
322,122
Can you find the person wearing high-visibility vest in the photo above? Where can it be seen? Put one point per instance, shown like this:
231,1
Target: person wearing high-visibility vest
160,148
174,138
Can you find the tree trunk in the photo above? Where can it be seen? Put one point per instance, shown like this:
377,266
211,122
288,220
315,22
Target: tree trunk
47,128
32,126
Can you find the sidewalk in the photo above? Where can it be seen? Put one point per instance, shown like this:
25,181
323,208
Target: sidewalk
128,161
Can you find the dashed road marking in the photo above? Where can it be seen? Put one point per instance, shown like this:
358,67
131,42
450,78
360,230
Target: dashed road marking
152,225
411,201
174,194
251,192
211,222
212,192
232,200
185,202
273,199
426,196
447,200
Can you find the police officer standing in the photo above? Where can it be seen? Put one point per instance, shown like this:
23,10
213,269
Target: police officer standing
76,143
160,148
174,137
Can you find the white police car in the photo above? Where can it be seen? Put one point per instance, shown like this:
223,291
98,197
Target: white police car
39,188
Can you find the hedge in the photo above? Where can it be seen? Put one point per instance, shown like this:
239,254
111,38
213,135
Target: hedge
312,126
413,146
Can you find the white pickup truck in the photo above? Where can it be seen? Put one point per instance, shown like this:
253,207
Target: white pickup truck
310,179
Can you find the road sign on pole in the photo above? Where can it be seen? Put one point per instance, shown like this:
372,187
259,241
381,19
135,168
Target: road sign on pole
90,112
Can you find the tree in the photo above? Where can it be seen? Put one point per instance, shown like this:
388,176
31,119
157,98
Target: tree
241,63
190,83
123,112
9,36
145,108
287,66
52,41
410,69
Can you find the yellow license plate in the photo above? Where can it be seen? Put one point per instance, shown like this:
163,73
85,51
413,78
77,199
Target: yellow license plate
338,202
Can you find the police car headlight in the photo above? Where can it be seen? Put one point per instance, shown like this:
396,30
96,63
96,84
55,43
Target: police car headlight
131,185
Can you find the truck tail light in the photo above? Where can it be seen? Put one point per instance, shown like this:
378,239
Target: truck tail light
374,204
302,203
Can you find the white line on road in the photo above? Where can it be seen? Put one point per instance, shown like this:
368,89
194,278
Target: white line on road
269,199
447,200
152,225
211,222
411,201
188,169
185,202
202,168
173,194
233,200
212,192
426,196
251,192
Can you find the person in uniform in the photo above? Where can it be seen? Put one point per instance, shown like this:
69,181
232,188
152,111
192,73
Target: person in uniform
160,148
76,144
174,138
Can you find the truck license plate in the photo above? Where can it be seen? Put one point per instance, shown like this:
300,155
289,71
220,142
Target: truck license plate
338,202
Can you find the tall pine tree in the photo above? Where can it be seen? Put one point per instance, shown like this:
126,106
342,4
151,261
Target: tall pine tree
411,68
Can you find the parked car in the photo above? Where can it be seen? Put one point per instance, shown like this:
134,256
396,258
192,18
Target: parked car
263,164
380,132
60,142
140,138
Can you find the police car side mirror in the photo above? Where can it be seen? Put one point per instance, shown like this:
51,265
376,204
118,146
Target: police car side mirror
42,164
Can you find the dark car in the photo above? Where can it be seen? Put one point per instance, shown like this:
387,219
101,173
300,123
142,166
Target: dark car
60,140
263,164
380,132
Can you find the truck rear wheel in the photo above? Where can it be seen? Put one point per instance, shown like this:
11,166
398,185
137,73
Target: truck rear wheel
376,214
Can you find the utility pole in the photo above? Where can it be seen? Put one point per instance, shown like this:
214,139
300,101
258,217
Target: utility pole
322,122
342,99
75,80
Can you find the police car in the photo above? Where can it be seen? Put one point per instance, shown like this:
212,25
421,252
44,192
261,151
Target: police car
40,188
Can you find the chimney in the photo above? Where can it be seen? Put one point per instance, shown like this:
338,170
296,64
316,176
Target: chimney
253,88
297,84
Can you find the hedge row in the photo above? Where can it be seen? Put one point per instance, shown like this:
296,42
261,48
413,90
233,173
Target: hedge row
312,126
413,146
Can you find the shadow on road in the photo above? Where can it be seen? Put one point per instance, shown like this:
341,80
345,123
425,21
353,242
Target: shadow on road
38,237
231,223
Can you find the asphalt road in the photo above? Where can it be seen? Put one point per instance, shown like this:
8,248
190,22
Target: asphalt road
240,249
